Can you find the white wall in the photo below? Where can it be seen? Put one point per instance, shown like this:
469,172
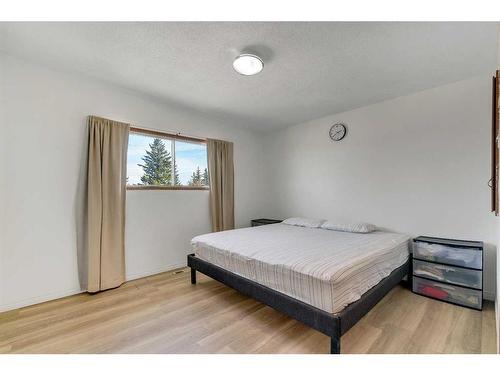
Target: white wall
155,245
44,135
497,301
3,176
417,164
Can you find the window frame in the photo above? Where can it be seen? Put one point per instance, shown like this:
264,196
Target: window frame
493,183
171,137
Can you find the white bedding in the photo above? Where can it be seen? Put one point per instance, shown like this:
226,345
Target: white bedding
324,268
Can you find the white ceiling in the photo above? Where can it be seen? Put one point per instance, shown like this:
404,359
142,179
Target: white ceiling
311,69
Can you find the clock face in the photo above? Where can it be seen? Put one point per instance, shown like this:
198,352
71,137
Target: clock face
337,132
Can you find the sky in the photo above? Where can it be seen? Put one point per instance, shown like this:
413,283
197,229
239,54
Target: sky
188,157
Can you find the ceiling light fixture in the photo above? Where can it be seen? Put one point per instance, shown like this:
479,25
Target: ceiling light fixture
248,64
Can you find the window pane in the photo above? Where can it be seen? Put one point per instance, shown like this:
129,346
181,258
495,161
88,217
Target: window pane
191,163
149,160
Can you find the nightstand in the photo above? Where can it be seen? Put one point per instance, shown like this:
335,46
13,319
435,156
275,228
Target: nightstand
259,222
449,270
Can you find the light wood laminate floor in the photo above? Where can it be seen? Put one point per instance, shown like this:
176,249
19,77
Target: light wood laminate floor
166,314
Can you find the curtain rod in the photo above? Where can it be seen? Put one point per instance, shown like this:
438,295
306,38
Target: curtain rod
178,135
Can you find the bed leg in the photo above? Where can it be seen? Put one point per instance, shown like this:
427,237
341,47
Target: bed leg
335,345
193,276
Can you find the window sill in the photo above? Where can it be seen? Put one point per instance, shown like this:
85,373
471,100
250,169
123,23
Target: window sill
161,187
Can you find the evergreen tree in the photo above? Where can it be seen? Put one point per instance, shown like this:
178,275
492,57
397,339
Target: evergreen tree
157,165
198,175
192,181
204,180
196,178
177,180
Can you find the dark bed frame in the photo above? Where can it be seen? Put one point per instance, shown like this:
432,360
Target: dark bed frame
332,325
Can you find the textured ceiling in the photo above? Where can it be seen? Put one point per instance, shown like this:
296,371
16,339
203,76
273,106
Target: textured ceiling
311,69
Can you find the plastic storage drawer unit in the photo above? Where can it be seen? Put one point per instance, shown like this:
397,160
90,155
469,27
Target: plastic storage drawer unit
449,270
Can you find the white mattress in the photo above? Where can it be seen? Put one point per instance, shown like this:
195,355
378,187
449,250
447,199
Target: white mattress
324,268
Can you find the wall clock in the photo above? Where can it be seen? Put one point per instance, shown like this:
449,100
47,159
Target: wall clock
338,132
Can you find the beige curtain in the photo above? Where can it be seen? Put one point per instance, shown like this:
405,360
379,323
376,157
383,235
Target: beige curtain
107,161
221,174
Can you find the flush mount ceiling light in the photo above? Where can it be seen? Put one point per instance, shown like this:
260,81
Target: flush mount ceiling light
248,64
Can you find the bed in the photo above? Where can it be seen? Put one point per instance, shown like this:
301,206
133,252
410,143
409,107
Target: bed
324,278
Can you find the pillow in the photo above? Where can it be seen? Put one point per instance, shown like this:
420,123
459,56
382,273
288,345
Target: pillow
304,222
354,228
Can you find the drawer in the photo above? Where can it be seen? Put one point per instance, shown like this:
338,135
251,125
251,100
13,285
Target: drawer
449,293
448,274
456,256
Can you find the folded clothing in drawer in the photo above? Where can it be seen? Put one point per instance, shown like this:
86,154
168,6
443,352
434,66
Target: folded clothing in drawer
448,274
450,293
464,257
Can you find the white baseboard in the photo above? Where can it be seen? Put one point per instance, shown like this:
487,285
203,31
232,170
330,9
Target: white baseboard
144,273
39,299
489,296
69,292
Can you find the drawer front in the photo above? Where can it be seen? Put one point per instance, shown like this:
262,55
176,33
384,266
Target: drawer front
450,293
457,256
448,274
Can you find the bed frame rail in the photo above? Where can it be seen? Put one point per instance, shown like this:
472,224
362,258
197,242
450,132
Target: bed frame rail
332,325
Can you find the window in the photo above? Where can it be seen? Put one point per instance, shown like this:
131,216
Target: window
162,160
